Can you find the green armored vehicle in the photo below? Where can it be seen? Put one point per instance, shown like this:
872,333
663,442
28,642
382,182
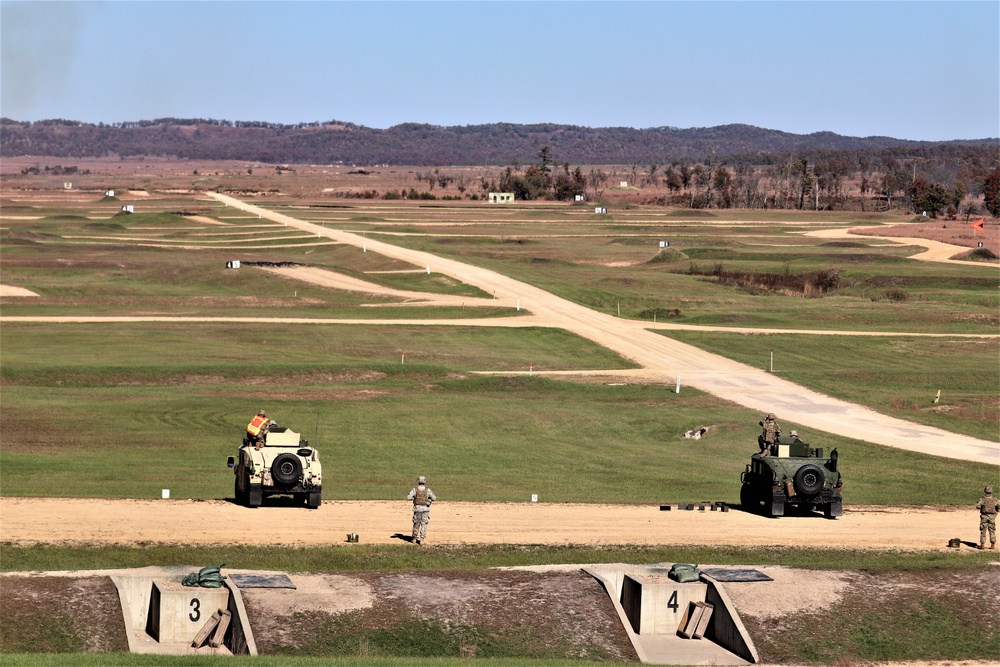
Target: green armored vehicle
285,465
792,474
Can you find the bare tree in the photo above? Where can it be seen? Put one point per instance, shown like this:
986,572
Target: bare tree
652,175
597,179
633,170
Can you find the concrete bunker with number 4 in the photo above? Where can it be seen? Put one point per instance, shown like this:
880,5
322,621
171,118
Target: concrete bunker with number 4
792,474
284,465
676,621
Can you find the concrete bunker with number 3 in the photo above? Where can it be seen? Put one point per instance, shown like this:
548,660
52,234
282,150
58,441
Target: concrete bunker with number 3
792,474
164,614
284,465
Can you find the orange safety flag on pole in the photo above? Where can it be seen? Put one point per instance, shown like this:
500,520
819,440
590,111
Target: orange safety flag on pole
978,224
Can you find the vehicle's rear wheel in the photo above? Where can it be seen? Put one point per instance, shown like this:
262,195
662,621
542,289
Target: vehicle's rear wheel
748,499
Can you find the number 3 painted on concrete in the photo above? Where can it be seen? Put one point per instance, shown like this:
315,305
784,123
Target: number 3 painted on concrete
196,612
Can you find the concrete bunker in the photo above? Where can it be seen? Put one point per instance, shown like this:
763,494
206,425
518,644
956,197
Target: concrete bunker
163,616
669,622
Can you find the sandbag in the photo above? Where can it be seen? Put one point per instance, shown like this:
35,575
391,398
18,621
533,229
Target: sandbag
206,577
685,576
684,573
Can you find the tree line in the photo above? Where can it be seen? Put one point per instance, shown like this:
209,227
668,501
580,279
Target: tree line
499,144
732,166
860,181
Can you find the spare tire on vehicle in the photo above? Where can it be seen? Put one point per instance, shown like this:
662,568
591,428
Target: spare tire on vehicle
286,469
809,479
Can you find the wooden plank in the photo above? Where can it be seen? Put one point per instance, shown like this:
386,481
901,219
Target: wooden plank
706,616
219,635
206,629
688,625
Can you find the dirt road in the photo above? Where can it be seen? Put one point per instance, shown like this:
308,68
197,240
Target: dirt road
10,290
668,360
935,251
202,522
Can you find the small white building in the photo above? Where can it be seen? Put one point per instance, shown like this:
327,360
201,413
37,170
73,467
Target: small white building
501,197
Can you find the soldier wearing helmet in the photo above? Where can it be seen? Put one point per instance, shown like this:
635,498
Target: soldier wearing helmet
769,435
988,507
422,497
257,429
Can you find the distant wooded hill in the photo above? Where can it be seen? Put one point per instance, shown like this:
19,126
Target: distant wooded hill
417,144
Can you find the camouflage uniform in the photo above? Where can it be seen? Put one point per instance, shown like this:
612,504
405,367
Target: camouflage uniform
988,507
770,434
422,498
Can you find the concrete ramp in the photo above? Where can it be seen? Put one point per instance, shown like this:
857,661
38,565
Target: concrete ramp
673,623
163,616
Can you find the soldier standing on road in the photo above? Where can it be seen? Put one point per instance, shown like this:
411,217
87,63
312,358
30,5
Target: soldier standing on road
770,434
257,430
988,507
422,498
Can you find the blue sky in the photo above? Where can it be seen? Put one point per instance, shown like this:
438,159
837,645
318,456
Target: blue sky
913,70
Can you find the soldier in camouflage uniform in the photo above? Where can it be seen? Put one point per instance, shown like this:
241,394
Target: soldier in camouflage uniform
770,434
422,498
988,507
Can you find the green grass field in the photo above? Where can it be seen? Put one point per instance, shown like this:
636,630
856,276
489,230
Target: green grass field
895,375
565,441
139,386
362,557
124,410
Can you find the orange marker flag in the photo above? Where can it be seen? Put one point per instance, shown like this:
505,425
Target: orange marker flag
978,224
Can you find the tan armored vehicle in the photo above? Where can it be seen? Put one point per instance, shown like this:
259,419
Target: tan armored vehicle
284,466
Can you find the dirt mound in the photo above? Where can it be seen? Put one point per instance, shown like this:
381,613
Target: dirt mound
473,613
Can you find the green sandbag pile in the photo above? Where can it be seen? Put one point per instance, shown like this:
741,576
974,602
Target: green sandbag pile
684,573
206,577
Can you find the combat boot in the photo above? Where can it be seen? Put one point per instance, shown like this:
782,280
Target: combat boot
982,545
993,545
